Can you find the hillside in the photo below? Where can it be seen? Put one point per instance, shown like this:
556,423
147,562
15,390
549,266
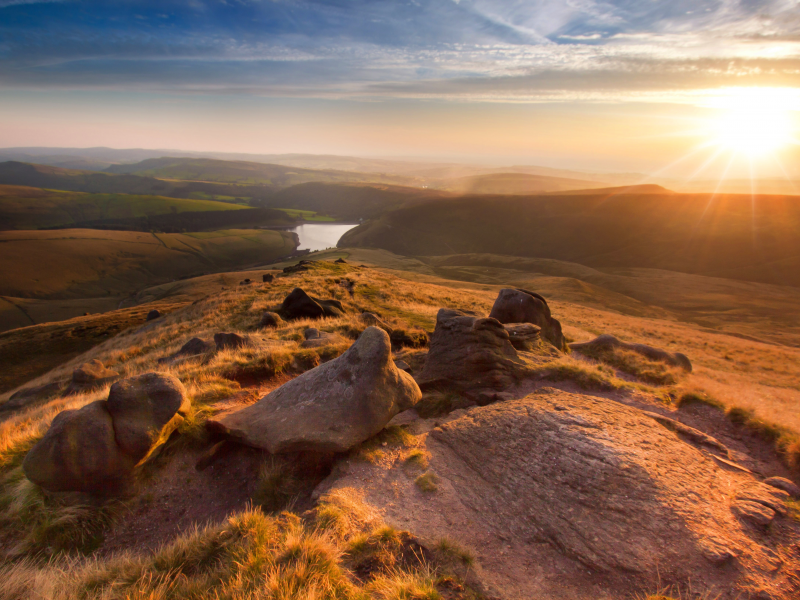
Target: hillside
730,236
242,172
423,507
513,183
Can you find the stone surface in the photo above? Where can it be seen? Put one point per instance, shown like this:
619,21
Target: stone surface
780,483
469,353
606,341
145,408
269,319
522,306
314,338
30,395
230,341
523,336
90,375
153,314
330,408
79,454
340,261
753,512
194,347
267,278
299,305
97,448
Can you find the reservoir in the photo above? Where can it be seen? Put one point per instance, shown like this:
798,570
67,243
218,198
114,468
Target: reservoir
319,236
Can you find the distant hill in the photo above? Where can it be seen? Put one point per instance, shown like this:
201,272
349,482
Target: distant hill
351,201
646,188
242,172
513,183
732,236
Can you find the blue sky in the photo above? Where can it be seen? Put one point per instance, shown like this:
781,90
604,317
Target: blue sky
499,51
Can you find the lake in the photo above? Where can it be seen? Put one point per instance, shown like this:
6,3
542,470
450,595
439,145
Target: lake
319,236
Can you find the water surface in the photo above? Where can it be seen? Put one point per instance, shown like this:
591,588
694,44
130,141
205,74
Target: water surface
320,236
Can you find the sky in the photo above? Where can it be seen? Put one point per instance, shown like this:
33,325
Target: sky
619,85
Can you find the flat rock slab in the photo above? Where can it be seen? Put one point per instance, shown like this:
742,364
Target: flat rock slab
330,408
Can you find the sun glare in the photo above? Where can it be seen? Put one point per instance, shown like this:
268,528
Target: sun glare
754,121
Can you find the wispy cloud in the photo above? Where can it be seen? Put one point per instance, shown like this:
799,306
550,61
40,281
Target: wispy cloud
469,49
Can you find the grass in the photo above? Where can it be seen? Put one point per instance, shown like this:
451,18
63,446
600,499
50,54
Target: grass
633,363
427,482
697,398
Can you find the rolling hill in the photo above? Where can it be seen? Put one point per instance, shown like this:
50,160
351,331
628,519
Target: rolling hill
731,236
513,183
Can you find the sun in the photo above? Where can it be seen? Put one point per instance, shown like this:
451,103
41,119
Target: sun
754,121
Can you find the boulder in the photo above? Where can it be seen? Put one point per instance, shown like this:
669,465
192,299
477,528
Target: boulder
230,341
330,408
609,342
340,261
31,395
299,305
780,483
194,347
522,306
523,336
89,376
144,408
314,338
153,314
303,265
97,448
268,278
269,319
470,353
373,320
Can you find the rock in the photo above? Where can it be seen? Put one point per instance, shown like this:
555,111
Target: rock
766,495
194,347
522,306
230,341
97,448
523,336
753,512
245,282
89,376
268,278
299,305
31,395
340,261
608,342
153,314
371,319
403,366
303,265
403,338
145,408
79,453
469,353
330,408
488,397
314,338
311,333
690,433
780,483
269,319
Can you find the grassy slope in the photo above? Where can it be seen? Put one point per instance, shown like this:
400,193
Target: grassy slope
34,208
729,236
242,172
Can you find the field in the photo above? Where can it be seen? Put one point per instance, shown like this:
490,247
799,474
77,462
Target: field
96,270
34,208
305,215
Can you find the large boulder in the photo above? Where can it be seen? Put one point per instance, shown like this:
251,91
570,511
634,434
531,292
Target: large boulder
299,305
522,306
330,408
608,342
145,408
470,353
96,449
89,376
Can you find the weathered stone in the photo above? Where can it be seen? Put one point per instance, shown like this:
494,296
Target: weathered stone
609,342
523,336
153,314
522,306
780,483
145,408
194,347
753,512
89,376
79,453
403,366
268,278
340,261
269,319
470,353
767,495
330,408
314,338
299,305
230,341
31,395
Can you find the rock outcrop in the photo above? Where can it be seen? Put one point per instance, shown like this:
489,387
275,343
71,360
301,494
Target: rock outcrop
230,341
194,347
314,338
268,278
607,342
29,396
269,319
330,408
523,336
522,306
469,353
96,449
153,314
89,376
299,305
